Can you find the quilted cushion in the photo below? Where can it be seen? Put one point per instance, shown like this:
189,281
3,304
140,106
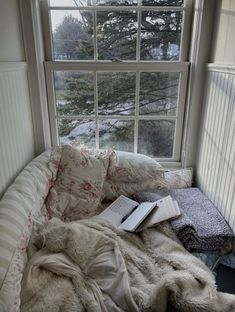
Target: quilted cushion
77,190
112,190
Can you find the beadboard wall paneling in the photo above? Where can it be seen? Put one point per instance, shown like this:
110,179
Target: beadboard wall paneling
216,163
16,129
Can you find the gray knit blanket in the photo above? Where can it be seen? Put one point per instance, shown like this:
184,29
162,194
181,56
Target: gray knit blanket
200,227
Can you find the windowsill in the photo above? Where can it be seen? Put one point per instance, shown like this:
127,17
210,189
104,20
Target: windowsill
171,165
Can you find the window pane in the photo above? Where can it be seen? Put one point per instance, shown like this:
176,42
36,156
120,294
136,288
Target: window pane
74,92
163,2
117,134
116,93
72,35
71,3
160,35
156,138
79,131
158,93
116,35
116,2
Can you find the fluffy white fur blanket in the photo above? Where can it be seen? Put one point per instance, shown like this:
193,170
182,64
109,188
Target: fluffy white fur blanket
92,266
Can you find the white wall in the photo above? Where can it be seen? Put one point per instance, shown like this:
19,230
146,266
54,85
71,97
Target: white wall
11,44
215,170
223,49
16,128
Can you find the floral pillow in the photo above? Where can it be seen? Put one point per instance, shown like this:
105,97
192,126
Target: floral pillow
130,167
112,190
77,190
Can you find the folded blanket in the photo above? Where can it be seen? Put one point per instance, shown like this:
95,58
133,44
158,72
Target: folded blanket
92,266
200,227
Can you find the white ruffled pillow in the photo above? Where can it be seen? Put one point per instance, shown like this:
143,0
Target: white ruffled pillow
129,173
130,167
181,178
112,190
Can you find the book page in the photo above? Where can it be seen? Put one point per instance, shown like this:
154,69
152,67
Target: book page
137,216
121,208
167,209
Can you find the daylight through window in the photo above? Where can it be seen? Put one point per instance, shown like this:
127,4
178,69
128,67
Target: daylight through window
117,73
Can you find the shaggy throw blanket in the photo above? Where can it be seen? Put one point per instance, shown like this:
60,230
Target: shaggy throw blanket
92,266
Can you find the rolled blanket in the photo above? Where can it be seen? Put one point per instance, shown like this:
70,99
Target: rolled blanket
200,227
210,231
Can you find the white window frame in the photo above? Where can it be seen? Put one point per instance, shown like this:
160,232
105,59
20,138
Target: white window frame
181,66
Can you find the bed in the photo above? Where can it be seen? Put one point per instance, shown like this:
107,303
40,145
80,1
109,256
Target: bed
50,211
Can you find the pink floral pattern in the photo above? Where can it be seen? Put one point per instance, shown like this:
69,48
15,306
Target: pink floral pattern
78,188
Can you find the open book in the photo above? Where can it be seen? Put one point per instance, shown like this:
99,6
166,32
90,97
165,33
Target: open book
131,216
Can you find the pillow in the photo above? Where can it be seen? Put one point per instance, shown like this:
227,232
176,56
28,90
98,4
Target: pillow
181,178
130,167
77,190
112,190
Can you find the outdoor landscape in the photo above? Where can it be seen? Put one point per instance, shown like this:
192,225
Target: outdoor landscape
118,94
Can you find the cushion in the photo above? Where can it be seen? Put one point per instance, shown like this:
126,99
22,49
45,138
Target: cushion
130,167
77,190
20,205
112,189
181,178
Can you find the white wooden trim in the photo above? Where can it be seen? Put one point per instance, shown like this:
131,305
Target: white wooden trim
199,55
186,30
95,37
96,106
34,55
135,66
47,30
129,66
221,68
120,117
118,66
117,8
12,66
52,106
170,164
180,115
137,98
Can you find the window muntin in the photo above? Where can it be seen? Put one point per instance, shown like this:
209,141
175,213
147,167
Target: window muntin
157,105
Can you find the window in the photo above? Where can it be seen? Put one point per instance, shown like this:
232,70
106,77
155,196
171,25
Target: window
117,73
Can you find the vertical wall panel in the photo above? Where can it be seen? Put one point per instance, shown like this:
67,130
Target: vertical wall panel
216,163
223,49
16,130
